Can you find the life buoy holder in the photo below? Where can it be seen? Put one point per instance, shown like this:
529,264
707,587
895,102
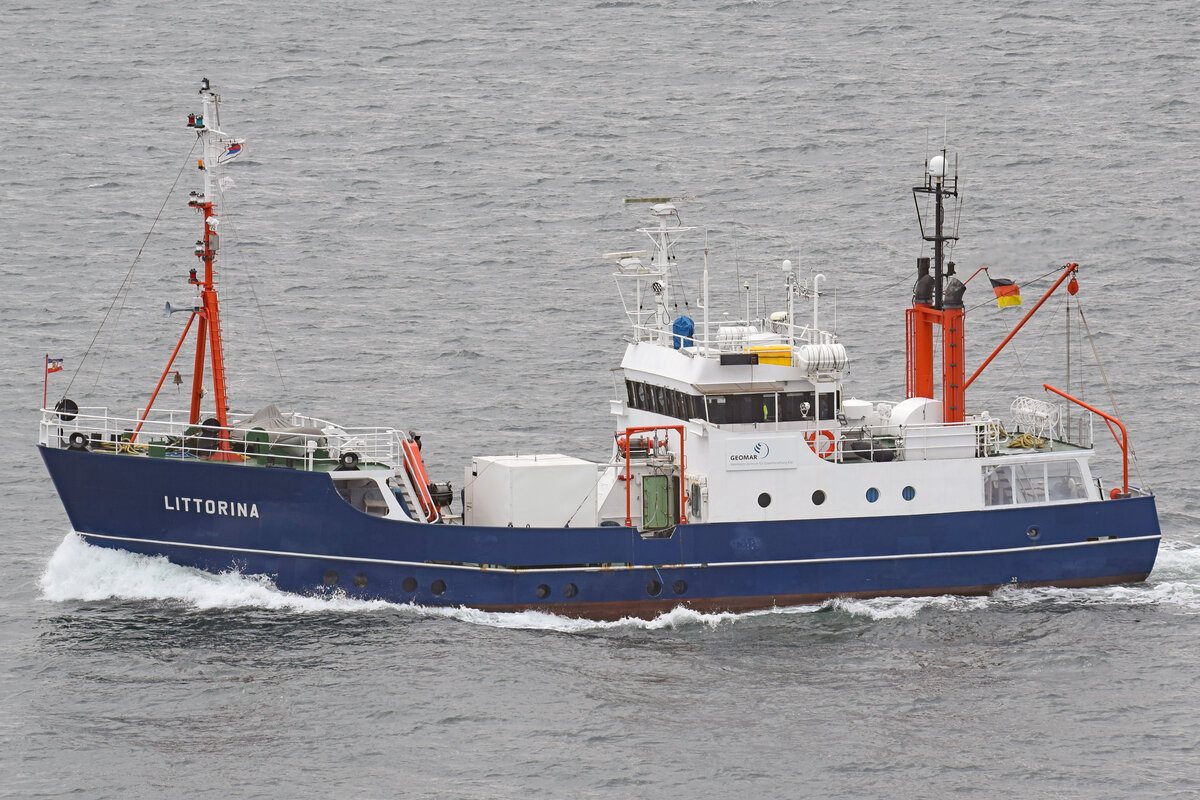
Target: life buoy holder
825,450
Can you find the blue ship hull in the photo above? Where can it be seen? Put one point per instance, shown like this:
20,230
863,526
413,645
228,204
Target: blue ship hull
293,527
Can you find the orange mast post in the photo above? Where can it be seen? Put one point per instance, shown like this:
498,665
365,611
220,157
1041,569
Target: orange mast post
936,302
218,148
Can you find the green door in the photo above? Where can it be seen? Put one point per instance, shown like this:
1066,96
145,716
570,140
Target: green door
656,502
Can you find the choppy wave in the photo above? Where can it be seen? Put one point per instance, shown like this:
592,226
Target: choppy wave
78,571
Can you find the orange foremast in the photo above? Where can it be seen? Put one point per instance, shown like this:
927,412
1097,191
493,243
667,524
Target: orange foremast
218,148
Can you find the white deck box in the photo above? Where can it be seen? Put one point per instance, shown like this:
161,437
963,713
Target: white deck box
544,491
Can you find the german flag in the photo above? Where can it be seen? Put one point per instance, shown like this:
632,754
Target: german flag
1007,292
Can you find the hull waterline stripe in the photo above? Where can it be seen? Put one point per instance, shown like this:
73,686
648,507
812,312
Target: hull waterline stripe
786,562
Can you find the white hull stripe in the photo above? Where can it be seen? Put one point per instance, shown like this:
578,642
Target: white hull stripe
426,564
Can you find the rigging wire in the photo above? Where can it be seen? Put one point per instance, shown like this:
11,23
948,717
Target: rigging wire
1112,397
1046,323
123,289
250,283
1033,282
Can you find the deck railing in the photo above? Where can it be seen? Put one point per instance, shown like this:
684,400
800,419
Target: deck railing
922,442
736,339
304,442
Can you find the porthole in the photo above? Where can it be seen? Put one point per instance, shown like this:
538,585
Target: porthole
409,584
654,588
360,580
818,497
331,578
872,494
764,499
438,587
570,590
1033,532
542,591
679,587
909,493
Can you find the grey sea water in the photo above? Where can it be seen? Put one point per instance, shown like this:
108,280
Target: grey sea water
414,239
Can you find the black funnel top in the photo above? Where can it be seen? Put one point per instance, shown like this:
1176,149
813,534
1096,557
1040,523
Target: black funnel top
923,290
952,297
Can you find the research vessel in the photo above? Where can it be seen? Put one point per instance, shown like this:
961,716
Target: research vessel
742,475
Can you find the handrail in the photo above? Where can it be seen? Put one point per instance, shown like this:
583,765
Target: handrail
376,444
1122,442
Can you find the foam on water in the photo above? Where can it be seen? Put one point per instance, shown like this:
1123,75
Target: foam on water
1175,582
80,571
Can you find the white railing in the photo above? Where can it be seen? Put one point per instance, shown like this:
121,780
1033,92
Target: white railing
736,336
923,442
303,443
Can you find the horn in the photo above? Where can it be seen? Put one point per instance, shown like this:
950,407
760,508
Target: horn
169,310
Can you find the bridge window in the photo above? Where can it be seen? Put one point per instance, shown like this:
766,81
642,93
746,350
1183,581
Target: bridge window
716,409
727,409
661,400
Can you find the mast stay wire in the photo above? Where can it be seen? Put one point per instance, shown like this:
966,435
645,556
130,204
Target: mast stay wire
253,293
123,290
1112,398
1048,318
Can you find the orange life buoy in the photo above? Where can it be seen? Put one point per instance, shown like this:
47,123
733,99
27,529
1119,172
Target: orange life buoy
830,442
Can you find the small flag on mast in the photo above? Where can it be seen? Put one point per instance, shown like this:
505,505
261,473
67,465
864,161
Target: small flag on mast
233,149
1007,292
53,365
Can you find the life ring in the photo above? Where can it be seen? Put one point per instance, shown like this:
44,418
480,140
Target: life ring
827,449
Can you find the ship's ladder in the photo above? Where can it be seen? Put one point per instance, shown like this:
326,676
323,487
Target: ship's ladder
404,490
